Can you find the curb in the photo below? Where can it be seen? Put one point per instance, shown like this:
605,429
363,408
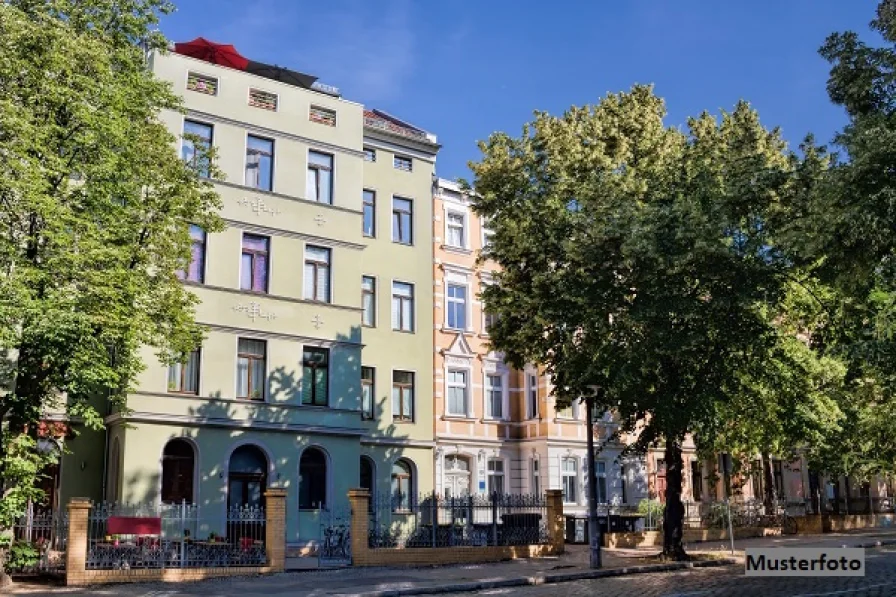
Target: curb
872,544
523,581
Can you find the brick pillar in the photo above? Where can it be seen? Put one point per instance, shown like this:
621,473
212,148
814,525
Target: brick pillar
555,519
359,499
76,544
275,528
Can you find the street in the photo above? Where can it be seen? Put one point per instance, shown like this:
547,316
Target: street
880,581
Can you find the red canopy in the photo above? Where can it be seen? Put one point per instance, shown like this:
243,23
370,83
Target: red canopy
203,49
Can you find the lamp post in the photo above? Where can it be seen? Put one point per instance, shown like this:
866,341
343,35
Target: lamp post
593,526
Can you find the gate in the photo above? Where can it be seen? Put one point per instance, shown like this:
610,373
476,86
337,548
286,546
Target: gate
46,532
335,544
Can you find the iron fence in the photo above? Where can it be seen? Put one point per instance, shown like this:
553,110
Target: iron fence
44,532
152,536
716,514
472,520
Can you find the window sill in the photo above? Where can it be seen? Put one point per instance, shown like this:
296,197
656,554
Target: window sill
567,421
404,331
315,406
493,421
466,418
403,421
456,250
404,244
182,393
369,327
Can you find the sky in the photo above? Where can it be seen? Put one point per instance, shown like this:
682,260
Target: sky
463,69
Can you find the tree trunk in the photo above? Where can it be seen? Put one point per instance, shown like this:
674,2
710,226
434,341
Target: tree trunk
837,495
673,519
769,482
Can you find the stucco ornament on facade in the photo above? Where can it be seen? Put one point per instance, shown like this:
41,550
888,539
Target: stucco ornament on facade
320,219
258,206
254,311
317,321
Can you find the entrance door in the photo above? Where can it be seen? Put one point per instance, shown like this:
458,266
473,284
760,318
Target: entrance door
246,483
457,476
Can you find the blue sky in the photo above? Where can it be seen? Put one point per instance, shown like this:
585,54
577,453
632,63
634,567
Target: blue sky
463,69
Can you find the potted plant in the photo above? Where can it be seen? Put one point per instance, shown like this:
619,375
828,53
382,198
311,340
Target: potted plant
212,536
115,540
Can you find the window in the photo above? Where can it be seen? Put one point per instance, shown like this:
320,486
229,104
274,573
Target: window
369,228
315,378
455,233
250,369
401,486
490,320
778,477
184,377
368,385
262,99
369,154
322,116
317,274
570,412
457,393
259,163
319,184
623,475
495,476
202,83
246,477
600,472
177,472
457,306
403,395
402,227
194,150
254,265
697,481
536,477
312,479
196,270
570,473
532,397
494,396
368,301
488,235
402,163
402,306
367,480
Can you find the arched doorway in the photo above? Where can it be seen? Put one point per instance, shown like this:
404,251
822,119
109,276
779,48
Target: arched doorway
178,461
457,476
312,479
246,477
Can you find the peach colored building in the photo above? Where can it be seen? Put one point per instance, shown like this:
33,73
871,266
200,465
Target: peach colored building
496,428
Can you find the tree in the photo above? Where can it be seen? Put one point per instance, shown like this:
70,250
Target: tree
635,257
94,225
839,230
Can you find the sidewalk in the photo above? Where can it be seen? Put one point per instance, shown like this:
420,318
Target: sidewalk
395,582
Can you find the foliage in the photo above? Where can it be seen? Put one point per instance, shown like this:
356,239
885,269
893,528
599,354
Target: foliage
637,258
21,555
95,211
651,508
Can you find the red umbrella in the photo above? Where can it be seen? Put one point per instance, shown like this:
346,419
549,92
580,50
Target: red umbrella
203,49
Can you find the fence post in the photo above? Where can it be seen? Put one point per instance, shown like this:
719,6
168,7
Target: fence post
76,548
435,519
359,500
495,518
275,528
555,519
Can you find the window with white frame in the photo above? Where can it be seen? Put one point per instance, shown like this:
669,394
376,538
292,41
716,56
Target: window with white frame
495,476
494,396
570,412
402,306
569,471
317,273
600,474
368,301
487,234
457,306
455,230
532,396
457,393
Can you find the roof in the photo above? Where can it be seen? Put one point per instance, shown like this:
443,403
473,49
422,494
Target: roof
377,119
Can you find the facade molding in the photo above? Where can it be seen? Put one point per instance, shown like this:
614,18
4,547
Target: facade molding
268,231
230,423
255,333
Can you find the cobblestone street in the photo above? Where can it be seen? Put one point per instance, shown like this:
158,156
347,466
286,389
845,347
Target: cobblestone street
880,581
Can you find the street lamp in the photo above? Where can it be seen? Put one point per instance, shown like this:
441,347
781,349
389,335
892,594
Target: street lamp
593,526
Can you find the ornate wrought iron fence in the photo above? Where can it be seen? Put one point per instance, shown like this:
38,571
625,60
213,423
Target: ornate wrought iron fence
473,520
141,536
46,532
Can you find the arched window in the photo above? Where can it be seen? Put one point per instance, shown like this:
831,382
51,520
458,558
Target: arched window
402,485
177,472
312,479
112,473
246,477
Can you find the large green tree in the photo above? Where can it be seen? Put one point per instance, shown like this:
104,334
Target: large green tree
635,257
840,230
94,221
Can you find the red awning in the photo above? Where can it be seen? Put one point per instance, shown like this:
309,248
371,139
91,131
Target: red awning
203,49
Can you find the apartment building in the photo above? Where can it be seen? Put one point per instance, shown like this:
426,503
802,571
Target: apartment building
497,428
315,372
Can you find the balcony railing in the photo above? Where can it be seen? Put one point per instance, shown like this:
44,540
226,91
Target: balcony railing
391,127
